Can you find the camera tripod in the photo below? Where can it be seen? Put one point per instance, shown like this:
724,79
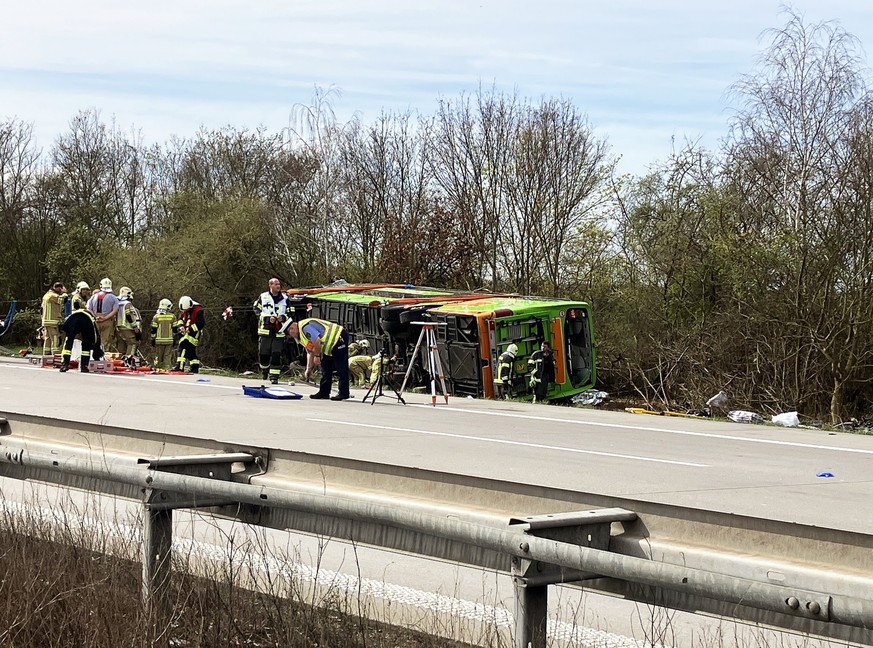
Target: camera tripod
434,365
377,387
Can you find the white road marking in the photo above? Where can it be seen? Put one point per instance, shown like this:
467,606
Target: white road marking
133,376
513,443
727,437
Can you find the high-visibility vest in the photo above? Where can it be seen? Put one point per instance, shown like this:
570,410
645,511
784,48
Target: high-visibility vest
52,308
329,337
266,308
128,315
162,328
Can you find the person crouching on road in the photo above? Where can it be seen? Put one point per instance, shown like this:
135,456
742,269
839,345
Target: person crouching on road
329,343
82,325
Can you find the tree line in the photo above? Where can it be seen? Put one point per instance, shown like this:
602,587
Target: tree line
745,268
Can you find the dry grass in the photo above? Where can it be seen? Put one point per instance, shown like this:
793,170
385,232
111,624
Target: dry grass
65,584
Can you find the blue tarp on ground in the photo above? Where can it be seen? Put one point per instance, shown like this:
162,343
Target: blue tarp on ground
270,392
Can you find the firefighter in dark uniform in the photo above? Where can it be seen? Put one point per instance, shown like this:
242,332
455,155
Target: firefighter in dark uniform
329,343
542,371
191,322
81,324
272,311
506,371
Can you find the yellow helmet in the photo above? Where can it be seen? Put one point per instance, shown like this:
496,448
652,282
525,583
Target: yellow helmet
125,292
83,285
165,305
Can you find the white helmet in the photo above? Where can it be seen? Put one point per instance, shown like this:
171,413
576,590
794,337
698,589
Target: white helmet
83,285
125,292
364,344
106,283
185,303
512,348
165,305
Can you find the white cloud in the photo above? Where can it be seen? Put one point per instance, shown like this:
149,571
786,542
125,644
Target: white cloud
645,72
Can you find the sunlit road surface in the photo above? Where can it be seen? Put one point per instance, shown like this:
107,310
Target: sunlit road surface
761,471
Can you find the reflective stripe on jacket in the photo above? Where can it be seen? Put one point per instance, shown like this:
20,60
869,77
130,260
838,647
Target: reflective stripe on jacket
52,307
162,328
312,329
266,307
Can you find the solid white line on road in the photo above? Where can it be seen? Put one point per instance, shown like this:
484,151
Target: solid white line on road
542,446
709,435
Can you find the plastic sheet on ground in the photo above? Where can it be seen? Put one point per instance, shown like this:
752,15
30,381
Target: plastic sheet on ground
788,419
590,397
742,416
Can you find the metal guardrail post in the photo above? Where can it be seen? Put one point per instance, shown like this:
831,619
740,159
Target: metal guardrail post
531,578
157,534
157,542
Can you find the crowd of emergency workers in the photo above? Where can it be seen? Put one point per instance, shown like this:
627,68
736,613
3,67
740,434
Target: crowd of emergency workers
102,321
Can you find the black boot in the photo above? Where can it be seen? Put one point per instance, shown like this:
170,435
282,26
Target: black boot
65,365
83,367
274,380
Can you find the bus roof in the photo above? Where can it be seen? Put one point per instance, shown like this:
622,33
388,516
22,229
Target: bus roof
518,305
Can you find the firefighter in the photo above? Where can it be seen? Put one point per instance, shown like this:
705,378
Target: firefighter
272,311
359,369
81,325
542,371
360,347
104,305
161,335
506,371
191,322
128,327
52,315
327,343
79,298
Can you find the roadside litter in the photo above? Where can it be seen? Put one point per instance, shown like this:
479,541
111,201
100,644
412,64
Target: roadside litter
788,419
590,397
743,416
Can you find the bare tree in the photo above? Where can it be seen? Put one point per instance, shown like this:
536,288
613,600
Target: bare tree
470,147
788,162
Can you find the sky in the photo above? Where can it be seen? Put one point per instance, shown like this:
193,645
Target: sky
649,75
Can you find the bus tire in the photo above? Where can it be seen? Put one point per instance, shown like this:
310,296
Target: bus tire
393,328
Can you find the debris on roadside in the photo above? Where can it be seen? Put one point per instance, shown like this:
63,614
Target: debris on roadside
743,416
787,419
590,397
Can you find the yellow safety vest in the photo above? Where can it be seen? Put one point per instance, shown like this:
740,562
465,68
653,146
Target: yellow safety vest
329,338
52,305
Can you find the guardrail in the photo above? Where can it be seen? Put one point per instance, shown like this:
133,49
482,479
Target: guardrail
616,546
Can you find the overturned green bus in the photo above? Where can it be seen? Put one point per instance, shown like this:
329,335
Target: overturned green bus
472,329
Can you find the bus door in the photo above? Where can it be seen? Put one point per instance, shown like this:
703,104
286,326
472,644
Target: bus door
526,332
580,348
458,346
558,349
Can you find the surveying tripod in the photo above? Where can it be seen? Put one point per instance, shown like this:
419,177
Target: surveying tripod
377,387
434,365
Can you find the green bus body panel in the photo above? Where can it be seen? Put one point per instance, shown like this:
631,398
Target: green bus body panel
512,319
